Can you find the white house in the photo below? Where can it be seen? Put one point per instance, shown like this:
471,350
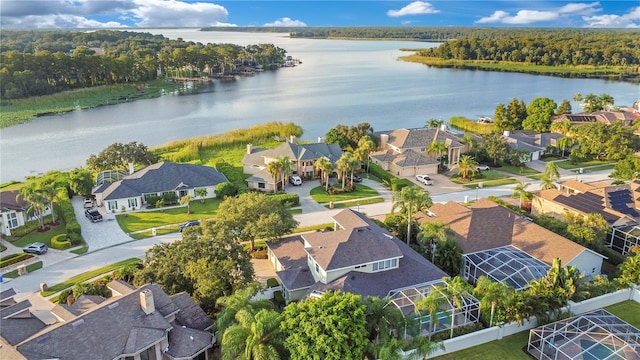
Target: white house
13,213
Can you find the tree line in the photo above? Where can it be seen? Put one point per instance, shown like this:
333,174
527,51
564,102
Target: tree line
44,62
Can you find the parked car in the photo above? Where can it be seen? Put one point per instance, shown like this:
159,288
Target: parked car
35,248
424,179
188,225
355,178
295,180
93,215
88,203
483,167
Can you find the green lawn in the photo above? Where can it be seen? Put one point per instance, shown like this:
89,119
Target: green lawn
628,311
136,221
567,165
43,237
80,251
486,176
509,347
30,268
517,170
491,183
357,202
362,191
88,275
159,231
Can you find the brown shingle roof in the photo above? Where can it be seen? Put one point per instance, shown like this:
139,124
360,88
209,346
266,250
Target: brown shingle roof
487,225
420,138
404,159
8,201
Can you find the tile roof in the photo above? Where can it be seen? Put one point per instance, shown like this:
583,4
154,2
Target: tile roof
486,225
420,138
160,177
404,159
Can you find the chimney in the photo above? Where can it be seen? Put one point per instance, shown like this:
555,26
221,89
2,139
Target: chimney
506,133
146,301
131,169
320,139
249,148
384,138
292,139
443,127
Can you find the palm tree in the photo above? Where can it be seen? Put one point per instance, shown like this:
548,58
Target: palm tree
489,291
232,304
391,350
186,200
365,147
577,98
565,143
49,188
433,303
254,337
466,165
552,171
344,165
470,142
438,148
201,193
431,233
563,127
273,168
433,123
520,192
456,290
321,165
31,194
546,183
383,319
410,200
284,166
423,347
607,101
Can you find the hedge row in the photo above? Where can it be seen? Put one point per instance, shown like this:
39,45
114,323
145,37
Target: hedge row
14,258
60,242
382,174
28,227
73,227
287,199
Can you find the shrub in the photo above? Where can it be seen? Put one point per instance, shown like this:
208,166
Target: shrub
73,233
272,282
170,198
28,227
278,298
384,175
462,330
396,185
60,242
13,259
287,199
226,189
152,200
72,228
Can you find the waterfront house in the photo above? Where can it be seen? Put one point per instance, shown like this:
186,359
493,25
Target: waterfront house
14,213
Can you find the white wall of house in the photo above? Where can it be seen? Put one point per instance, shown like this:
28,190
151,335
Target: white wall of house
12,219
588,262
383,265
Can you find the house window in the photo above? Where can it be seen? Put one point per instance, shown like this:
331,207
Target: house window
113,205
261,186
133,202
12,220
317,269
385,264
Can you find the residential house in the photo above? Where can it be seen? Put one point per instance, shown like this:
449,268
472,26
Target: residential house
535,143
132,191
506,246
362,258
14,212
404,152
619,205
627,118
303,158
134,324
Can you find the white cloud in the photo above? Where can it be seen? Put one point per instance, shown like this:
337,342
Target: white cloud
528,16
285,22
628,20
415,8
84,13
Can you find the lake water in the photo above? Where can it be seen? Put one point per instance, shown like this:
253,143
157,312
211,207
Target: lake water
338,82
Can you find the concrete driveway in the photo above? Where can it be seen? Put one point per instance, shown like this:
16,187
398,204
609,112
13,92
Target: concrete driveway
102,234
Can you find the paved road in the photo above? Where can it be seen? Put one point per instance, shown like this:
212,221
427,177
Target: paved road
62,270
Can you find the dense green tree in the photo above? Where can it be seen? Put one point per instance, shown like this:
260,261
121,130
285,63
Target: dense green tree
203,264
383,320
252,216
500,120
325,166
226,189
241,299
539,114
410,200
348,136
497,149
397,224
117,156
255,336
627,168
494,296
448,256
81,181
630,268
365,146
331,327
564,107
431,233
565,143
590,230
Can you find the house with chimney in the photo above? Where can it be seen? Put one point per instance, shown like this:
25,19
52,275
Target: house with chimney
133,324
506,246
303,162
404,152
133,190
14,213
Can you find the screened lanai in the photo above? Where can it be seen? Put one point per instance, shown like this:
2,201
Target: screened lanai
467,314
624,237
507,263
597,335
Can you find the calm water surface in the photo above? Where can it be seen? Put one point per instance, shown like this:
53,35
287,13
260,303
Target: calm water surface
338,82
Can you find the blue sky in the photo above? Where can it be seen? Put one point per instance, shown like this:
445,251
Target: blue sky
192,13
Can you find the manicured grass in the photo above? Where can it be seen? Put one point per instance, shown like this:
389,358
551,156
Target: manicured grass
493,183
80,251
517,170
628,311
509,347
362,191
486,176
136,221
30,268
600,167
88,275
159,231
567,165
312,228
356,203
43,237
295,211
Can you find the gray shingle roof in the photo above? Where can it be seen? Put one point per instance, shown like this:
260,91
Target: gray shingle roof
404,159
187,343
17,323
298,152
420,138
163,176
8,201
190,315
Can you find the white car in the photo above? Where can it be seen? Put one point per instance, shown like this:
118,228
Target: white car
295,180
483,167
424,179
88,203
